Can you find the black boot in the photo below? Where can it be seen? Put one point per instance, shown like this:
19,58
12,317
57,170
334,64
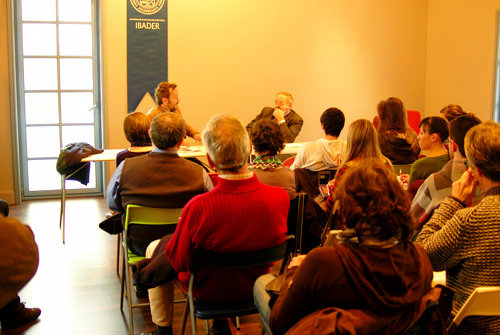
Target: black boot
15,314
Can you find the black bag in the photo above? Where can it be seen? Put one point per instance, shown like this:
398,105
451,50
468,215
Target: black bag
113,224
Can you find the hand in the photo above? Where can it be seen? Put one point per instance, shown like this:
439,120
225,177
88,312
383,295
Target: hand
279,114
197,137
464,188
188,141
404,180
296,261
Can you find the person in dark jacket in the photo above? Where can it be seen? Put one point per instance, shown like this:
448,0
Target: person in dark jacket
397,140
373,280
18,265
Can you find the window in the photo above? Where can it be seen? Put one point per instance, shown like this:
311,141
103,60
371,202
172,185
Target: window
58,89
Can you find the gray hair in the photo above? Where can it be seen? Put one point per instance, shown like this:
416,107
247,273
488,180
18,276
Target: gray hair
167,130
482,145
226,142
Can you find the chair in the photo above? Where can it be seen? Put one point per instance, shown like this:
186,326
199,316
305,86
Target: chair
239,260
483,301
413,120
295,221
140,215
289,161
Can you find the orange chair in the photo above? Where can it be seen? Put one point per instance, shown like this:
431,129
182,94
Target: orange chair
413,120
289,161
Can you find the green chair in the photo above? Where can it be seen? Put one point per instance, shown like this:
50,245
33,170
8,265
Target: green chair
140,215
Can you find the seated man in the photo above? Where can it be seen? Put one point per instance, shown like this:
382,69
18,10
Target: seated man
433,133
239,214
438,185
158,179
290,122
18,265
325,152
167,99
463,240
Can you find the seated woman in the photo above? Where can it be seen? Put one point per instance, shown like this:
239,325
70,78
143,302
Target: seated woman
372,280
397,140
451,112
362,143
433,133
268,140
136,128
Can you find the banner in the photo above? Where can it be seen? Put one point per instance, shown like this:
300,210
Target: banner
146,48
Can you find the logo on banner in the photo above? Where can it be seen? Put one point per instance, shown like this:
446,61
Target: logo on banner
147,7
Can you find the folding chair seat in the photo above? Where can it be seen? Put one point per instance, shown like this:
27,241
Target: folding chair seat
238,260
483,301
140,215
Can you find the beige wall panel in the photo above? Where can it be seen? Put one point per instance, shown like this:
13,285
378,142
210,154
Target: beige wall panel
6,168
461,40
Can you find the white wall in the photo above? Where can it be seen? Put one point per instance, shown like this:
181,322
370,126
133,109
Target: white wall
461,41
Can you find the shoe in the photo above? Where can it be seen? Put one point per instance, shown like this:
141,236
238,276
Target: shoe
19,315
160,331
220,327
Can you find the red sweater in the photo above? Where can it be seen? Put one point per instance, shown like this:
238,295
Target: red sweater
237,215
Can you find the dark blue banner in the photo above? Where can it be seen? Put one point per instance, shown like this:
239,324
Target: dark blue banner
146,48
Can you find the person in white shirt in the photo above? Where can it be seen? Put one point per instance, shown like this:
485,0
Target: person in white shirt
325,152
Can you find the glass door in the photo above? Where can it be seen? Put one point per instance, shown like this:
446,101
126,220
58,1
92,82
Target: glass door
58,89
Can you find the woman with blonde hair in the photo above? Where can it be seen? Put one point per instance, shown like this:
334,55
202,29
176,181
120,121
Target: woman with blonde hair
396,139
362,143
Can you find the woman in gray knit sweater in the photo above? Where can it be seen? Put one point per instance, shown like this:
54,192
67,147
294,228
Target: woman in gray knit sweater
464,240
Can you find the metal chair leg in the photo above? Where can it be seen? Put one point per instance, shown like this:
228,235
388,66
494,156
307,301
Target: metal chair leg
118,248
62,216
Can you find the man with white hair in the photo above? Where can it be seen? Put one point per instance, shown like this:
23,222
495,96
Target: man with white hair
289,121
240,214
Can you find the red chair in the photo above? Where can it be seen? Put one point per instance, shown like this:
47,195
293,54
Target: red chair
289,161
413,120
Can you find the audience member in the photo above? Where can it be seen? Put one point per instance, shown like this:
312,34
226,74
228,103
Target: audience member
317,161
289,121
136,128
167,100
397,140
158,179
438,185
373,280
433,134
268,140
325,152
239,214
463,240
362,143
18,265
449,112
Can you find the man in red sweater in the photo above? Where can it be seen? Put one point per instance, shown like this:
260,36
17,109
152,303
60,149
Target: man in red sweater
239,214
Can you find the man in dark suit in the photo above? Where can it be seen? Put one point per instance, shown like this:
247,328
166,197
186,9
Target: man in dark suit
289,121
